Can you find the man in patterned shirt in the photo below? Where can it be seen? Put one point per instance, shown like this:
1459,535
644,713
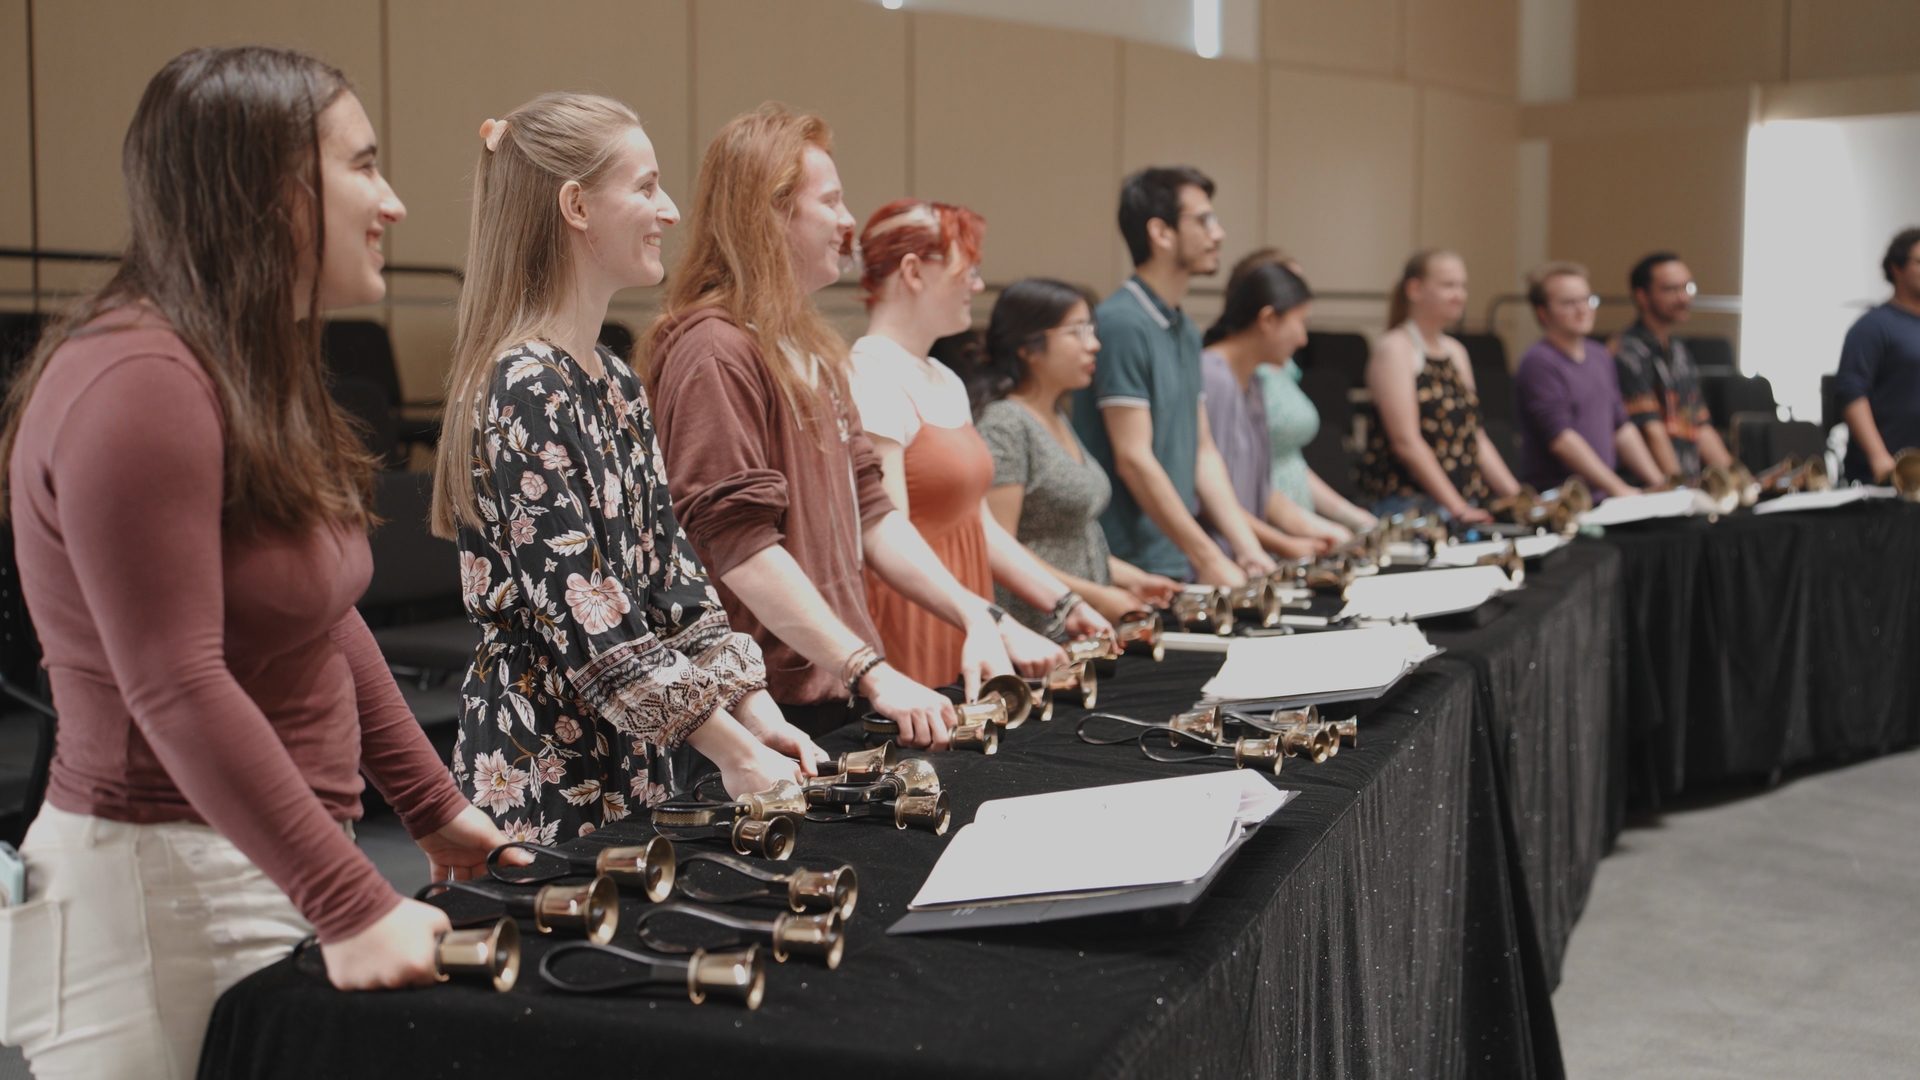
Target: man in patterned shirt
1658,381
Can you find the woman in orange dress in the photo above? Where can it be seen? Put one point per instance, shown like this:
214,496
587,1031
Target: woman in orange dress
921,270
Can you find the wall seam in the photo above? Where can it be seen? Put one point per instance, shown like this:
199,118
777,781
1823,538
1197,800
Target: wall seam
911,27
1786,41
33,163
693,93
1117,254
1262,173
386,134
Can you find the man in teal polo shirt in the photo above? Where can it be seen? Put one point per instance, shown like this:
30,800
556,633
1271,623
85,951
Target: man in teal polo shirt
1143,419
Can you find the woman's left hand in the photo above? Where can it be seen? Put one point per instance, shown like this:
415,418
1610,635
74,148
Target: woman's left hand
1032,655
458,850
1336,532
758,713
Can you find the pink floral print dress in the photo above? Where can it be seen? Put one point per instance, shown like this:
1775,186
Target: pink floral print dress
603,643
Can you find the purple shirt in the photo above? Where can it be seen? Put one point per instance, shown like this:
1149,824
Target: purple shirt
1238,420
1551,394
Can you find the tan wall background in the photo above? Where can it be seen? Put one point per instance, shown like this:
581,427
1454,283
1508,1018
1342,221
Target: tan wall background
1651,152
1345,146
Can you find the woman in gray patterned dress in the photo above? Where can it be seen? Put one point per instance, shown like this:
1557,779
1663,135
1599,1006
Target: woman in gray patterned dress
604,647
1039,348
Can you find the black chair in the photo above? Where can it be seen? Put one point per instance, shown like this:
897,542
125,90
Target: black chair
27,719
1493,383
1760,440
360,350
1332,368
414,602
1726,393
1831,414
1711,350
369,404
19,332
618,339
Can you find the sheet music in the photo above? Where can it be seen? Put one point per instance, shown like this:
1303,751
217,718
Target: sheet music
1120,836
1822,500
1527,547
1301,665
1423,594
1626,509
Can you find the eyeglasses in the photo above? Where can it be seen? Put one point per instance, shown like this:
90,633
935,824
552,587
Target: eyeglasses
1087,332
1207,220
1572,302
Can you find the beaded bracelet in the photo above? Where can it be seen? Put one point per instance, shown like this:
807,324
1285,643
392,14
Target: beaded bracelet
1062,609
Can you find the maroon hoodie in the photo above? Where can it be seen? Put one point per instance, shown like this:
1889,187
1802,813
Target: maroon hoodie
744,476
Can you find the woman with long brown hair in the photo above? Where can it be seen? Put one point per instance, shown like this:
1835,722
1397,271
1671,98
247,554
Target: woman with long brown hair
603,647
771,473
191,512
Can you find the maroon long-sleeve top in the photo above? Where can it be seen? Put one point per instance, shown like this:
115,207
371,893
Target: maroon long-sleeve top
745,475
202,673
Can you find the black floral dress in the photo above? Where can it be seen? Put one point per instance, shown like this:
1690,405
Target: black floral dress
603,643
1449,421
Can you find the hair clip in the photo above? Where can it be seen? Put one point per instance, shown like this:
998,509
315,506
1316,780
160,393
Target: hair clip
490,132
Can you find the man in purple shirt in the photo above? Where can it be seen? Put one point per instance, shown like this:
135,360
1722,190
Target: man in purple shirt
1567,394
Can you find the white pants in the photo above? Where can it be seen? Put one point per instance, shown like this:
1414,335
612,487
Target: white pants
130,934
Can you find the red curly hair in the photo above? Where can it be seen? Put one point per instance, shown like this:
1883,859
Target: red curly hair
916,227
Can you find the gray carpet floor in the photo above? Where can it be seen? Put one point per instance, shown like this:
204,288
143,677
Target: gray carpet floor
1771,934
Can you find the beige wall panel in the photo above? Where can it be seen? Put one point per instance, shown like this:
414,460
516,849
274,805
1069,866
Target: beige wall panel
1465,44
1832,38
1817,98
1020,125
444,85
94,57
1348,35
1469,187
16,200
1178,109
1633,46
1608,216
844,59
1340,176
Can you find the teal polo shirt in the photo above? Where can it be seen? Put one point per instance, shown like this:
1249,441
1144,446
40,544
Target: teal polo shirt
1149,358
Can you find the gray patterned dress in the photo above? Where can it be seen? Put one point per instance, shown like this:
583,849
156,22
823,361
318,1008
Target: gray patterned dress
1059,516
603,644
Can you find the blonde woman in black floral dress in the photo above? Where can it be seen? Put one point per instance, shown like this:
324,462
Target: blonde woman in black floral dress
1428,449
604,647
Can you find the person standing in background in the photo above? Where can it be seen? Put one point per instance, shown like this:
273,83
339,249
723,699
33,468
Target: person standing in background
1040,347
1879,381
772,475
1428,450
1142,418
1572,422
1659,383
920,269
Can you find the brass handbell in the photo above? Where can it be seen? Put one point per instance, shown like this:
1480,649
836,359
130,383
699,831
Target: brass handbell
1518,507
1141,628
1509,561
1004,701
802,888
1332,573
1199,608
489,953
1206,723
739,975
788,934
771,837
1792,474
1905,477
1257,602
648,867
865,764
931,812
591,909
1076,681
1266,753
783,799
1730,487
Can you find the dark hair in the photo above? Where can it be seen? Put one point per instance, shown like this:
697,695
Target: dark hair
1399,307
1021,317
1898,253
1257,288
222,167
1641,276
1155,193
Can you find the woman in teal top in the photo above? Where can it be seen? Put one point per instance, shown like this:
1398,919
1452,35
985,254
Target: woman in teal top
1262,293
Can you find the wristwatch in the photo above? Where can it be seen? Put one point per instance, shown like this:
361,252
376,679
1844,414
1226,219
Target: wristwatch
999,613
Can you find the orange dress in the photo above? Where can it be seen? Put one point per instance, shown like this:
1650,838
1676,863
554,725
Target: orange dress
948,473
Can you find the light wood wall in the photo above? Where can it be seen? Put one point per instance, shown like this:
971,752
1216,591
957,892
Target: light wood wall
1371,128
1651,153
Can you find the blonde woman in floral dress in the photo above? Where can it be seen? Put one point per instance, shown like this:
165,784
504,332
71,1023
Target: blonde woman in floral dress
604,647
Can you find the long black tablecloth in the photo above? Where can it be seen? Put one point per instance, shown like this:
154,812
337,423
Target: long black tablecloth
1765,642
1404,916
